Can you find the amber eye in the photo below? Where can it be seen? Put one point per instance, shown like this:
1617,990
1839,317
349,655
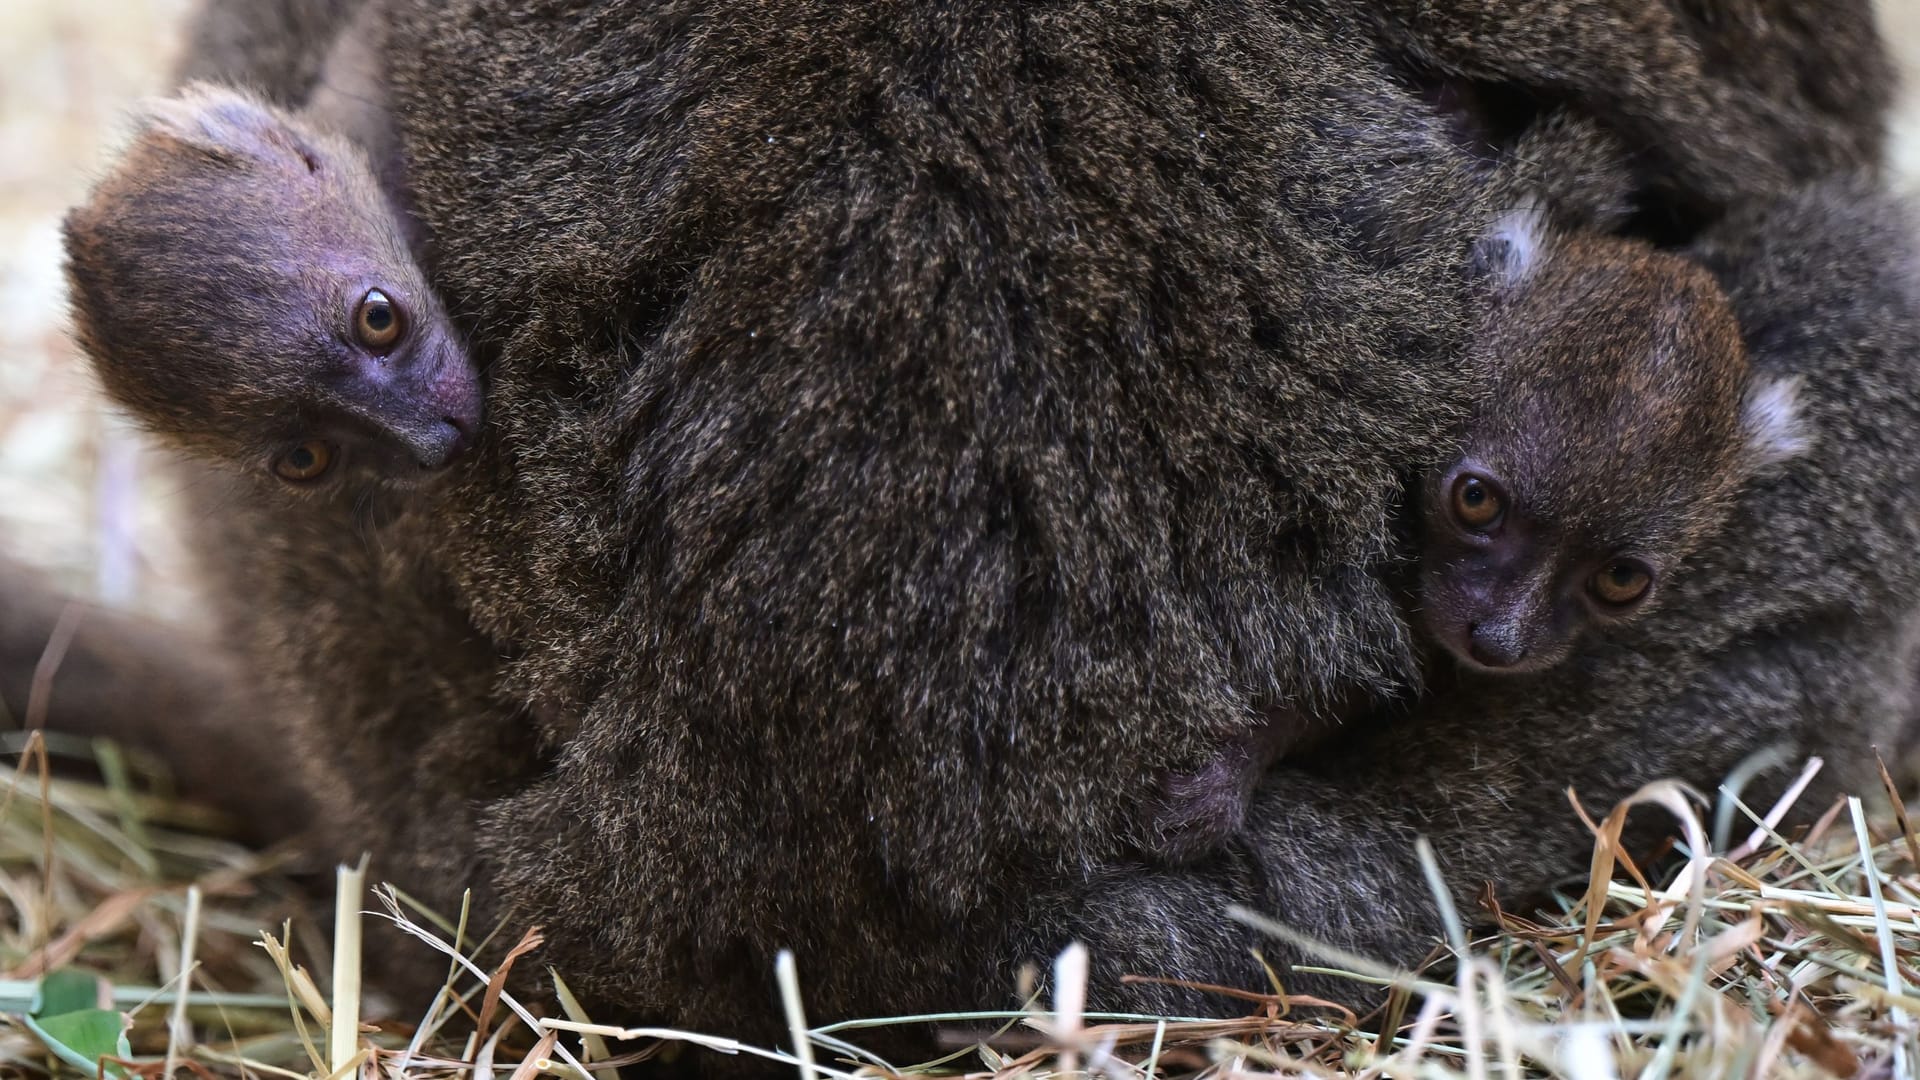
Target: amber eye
1476,502
1621,582
377,321
304,463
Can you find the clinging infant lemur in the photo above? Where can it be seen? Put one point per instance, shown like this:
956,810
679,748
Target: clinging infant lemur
1620,418
245,285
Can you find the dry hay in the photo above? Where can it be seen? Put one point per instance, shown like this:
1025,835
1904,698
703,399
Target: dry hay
1782,956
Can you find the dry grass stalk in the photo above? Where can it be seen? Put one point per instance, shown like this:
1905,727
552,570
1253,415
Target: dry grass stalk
1794,954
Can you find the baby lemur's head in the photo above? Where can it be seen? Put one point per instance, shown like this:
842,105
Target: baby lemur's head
245,289
1621,416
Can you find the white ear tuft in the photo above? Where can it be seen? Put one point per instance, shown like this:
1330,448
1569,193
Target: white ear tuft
1512,247
1776,431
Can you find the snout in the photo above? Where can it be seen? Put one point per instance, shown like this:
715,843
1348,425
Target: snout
423,411
447,412
1496,645
1498,612
437,444
1492,638
429,437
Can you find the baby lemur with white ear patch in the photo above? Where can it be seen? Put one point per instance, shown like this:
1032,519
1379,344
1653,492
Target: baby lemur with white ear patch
245,285
1610,444
1620,418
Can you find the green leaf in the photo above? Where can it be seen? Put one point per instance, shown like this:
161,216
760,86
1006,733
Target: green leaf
64,991
82,1038
67,1017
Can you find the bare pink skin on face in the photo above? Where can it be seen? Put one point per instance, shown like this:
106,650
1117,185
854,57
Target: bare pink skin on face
247,288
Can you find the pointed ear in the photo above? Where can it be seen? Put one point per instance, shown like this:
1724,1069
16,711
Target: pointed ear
1775,429
1513,246
228,124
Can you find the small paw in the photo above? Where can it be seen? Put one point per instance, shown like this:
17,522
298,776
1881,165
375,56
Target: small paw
1197,812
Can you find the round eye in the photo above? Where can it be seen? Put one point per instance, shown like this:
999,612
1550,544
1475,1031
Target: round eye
1621,582
1476,502
304,463
377,321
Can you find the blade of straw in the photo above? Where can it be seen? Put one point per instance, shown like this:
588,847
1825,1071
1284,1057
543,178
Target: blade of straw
789,979
1883,931
344,1036
178,1032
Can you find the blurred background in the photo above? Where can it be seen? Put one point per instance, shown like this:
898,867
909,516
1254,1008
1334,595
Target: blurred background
75,490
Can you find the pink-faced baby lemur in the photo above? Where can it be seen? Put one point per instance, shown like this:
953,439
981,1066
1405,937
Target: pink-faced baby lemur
245,284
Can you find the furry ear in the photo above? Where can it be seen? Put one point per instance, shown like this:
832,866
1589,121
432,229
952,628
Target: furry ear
1513,246
1775,429
228,124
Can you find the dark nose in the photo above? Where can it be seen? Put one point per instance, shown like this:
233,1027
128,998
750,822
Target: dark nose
453,393
448,440
1495,644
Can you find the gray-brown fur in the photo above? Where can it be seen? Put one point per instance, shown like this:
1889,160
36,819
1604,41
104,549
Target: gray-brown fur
1800,631
1720,99
245,285
1619,417
155,687
278,50
910,426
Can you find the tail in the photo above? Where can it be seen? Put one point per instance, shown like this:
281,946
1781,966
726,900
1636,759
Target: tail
85,670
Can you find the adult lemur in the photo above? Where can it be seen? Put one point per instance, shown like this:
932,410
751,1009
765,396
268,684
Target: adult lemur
909,425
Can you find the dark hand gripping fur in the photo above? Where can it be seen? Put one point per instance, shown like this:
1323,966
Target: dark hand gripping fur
909,428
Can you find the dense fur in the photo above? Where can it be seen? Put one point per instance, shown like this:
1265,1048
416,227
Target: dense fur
1801,632
278,48
954,460
1718,99
914,424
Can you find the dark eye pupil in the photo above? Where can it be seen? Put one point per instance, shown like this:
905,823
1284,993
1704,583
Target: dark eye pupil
1474,495
379,316
301,459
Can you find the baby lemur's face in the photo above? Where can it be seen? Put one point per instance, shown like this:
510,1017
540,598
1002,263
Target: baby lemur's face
247,291
384,390
1621,418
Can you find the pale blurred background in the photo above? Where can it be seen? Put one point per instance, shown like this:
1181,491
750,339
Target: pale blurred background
76,496
74,492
